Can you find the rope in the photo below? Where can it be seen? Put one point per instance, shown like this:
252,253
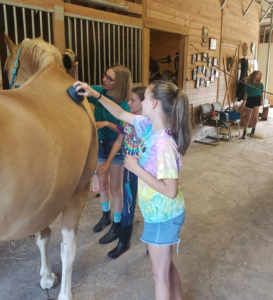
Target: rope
231,75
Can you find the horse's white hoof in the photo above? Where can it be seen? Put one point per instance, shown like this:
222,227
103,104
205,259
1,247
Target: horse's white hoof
65,297
49,282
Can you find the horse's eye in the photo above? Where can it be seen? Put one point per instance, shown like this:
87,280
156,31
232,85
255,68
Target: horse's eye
6,71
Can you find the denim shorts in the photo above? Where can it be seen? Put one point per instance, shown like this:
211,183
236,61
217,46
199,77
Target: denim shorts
163,233
105,147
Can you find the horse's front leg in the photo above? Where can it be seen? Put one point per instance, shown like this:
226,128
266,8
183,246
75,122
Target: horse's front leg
48,279
70,221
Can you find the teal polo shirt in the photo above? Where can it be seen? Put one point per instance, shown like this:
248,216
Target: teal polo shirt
253,92
102,114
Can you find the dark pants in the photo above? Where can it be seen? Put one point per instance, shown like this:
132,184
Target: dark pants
128,212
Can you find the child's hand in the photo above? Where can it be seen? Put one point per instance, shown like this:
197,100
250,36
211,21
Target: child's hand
88,91
130,163
102,169
101,124
242,105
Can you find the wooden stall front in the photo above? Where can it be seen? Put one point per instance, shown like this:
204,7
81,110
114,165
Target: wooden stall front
184,22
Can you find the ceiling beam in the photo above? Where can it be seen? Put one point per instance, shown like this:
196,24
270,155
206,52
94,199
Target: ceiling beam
265,14
252,1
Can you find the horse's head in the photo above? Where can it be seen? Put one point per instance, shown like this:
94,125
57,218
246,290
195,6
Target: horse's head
36,54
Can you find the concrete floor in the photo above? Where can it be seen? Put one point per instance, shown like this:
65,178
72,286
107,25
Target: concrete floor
227,238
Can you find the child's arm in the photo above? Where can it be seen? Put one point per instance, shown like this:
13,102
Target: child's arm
167,187
112,107
110,125
116,147
244,100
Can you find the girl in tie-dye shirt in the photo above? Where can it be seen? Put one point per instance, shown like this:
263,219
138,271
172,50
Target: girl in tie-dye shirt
130,141
164,130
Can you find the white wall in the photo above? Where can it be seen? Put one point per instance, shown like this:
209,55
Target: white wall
262,63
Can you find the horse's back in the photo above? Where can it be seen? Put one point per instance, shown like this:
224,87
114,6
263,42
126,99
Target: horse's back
45,141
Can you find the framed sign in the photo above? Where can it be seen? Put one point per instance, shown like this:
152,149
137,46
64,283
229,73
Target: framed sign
207,83
205,56
203,81
216,74
199,70
212,44
194,74
208,73
197,83
204,69
215,62
212,78
193,59
209,61
198,57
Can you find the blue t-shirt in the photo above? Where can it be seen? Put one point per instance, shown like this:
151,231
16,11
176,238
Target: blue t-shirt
253,92
102,114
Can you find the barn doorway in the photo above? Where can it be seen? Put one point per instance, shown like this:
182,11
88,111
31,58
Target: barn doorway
168,57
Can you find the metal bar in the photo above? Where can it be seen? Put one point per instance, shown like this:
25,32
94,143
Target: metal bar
32,24
252,1
6,24
123,52
100,21
76,46
114,43
119,45
128,48
99,54
135,55
268,53
140,58
41,23
264,35
109,4
49,27
265,14
24,22
82,57
69,33
132,53
15,25
88,52
26,6
109,45
223,4
104,53
95,52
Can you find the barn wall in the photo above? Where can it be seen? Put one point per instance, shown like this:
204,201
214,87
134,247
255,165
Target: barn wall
228,24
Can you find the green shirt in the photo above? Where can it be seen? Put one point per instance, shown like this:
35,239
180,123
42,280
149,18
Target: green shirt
102,114
253,92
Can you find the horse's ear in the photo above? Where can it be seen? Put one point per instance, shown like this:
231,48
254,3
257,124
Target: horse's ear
41,37
8,42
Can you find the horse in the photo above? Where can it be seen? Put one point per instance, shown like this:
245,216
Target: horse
48,153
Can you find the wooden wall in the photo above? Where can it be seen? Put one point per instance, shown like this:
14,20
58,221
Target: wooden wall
227,25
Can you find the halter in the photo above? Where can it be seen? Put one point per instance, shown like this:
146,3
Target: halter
15,71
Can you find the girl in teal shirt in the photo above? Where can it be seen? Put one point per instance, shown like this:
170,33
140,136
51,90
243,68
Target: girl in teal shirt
253,99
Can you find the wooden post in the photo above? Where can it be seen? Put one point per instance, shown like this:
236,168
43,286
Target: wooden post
183,60
58,26
145,47
145,56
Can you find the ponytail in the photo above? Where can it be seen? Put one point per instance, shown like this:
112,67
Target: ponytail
175,105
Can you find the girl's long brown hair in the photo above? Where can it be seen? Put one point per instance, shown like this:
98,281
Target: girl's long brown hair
139,91
123,83
175,105
251,78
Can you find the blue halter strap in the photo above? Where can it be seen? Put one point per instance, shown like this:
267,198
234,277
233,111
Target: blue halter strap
15,71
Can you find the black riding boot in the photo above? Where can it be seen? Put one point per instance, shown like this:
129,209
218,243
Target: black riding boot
244,134
124,242
111,235
104,221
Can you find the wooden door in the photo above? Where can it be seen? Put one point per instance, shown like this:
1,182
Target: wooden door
227,85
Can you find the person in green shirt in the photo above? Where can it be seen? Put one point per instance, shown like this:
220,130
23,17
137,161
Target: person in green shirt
116,86
253,99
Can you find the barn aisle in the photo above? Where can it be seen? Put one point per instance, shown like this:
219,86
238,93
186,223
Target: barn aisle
226,240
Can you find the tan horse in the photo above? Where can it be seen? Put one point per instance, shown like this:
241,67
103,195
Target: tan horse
48,153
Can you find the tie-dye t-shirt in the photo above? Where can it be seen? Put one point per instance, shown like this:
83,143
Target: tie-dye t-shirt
158,156
131,141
